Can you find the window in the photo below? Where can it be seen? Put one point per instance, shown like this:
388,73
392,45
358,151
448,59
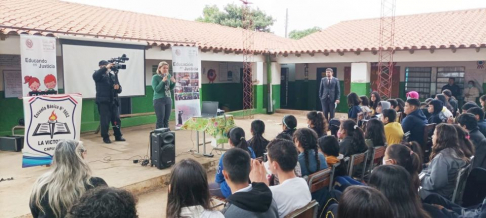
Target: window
418,79
444,73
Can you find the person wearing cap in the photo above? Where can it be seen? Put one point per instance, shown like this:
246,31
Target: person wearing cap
107,90
329,93
453,87
413,94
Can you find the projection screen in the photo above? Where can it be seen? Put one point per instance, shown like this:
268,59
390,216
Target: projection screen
81,58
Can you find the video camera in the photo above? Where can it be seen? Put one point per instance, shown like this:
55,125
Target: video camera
118,63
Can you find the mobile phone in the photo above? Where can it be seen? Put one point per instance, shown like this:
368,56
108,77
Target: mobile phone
265,158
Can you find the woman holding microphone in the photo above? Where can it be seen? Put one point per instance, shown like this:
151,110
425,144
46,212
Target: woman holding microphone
163,83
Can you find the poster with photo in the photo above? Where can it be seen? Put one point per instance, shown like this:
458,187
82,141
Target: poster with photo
186,65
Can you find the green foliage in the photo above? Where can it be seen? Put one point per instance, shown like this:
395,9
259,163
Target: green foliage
298,34
232,16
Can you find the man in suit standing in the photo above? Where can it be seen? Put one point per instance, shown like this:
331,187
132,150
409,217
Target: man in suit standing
329,93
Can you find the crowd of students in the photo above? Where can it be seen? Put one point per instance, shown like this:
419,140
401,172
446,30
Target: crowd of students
258,177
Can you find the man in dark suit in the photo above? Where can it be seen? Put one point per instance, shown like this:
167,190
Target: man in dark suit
329,93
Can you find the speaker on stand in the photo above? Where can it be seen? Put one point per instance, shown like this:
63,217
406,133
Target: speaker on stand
162,148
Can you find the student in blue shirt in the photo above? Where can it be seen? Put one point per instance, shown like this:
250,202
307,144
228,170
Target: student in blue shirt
236,139
310,159
353,104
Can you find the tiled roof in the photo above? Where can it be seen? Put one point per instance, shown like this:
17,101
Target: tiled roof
459,29
53,18
453,29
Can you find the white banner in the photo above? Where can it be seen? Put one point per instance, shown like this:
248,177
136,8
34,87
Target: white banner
186,65
49,119
38,62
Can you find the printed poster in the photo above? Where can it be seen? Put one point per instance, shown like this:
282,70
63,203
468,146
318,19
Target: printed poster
38,63
186,66
48,120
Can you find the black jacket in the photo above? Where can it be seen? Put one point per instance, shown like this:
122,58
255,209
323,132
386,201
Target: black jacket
415,123
346,147
37,213
257,202
105,93
332,90
455,90
476,137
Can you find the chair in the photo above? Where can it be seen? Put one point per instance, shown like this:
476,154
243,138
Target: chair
319,180
378,154
474,191
427,142
308,211
333,172
356,160
460,184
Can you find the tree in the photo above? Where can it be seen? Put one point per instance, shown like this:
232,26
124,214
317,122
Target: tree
298,34
232,14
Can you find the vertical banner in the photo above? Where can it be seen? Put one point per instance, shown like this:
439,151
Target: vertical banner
186,65
38,62
49,119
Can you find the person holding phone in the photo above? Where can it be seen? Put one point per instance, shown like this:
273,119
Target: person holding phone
163,83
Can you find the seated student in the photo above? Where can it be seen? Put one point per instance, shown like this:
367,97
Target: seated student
352,139
447,110
382,105
401,109
365,104
329,146
258,143
374,100
435,109
468,105
479,114
446,160
107,203
189,192
375,133
415,121
56,190
469,123
236,139
394,182
247,200
353,104
363,202
289,125
393,103
452,101
393,130
310,159
293,192
464,143
317,122
284,136
409,157
482,101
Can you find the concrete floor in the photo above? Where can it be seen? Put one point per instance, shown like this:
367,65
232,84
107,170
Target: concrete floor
114,164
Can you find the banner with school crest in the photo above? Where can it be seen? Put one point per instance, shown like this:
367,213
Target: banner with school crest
38,63
48,120
186,65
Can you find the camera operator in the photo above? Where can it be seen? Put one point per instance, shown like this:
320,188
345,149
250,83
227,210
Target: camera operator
107,90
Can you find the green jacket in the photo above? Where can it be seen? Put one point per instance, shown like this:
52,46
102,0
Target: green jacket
159,86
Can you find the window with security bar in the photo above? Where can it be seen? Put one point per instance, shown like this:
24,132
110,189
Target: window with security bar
418,79
444,73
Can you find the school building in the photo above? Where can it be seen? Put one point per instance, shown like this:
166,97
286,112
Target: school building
430,48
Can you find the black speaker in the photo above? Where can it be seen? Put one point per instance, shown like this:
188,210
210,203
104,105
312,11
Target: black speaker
11,143
162,148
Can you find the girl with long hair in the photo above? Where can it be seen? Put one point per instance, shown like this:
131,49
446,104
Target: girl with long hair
375,133
189,192
394,182
409,156
69,178
317,122
374,100
289,124
162,84
446,159
365,103
258,143
353,104
236,139
329,146
310,159
464,143
352,139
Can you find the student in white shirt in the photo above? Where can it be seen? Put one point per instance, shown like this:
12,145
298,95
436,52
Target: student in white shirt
293,192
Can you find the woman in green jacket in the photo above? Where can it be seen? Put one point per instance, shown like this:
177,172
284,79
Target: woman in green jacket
163,83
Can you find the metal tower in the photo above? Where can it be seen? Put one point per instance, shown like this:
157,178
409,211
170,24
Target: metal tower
386,48
248,31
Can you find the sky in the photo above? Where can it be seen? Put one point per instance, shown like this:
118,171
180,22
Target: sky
302,14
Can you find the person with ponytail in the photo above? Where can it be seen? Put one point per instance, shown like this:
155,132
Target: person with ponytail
69,178
236,139
289,125
317,122
409,157
446,160
310,159
352,136
258,143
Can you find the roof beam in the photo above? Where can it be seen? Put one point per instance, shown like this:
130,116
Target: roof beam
205,50
453,49
164,47
374,52
326,53
228,51
357,52
411,51
311,54
297,54
432,50
478,48
217,50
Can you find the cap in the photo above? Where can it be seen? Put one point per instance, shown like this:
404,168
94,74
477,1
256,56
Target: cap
103,62
413,94
329,69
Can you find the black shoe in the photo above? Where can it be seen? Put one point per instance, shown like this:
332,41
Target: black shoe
107,140
119,139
